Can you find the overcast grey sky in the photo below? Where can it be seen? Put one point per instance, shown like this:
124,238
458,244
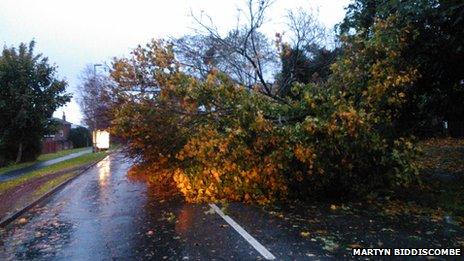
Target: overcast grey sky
73,33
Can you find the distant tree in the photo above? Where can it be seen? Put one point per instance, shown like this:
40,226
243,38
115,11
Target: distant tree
197,53
251,59
306,56
311,65
244,52
29,94
94,98
246,65
80,137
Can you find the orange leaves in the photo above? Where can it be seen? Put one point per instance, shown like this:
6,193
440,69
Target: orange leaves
352,121
185,186
304,154
260,123
307,156
232,172
444,155
212,185
216,175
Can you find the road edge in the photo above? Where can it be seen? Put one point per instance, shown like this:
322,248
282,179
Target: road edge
6,221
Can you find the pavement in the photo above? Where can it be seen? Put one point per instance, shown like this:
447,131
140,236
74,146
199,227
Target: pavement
19,172
104,215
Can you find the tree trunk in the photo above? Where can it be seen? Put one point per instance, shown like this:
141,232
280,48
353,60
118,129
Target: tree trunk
19,156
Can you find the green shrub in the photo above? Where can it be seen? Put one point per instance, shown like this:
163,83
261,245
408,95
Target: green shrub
80,137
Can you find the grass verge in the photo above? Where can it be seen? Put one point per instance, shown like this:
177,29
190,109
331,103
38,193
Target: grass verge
61,166
50,156
442,170
440,196
41,158
49,185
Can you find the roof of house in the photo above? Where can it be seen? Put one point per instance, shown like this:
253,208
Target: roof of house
60,120
73,126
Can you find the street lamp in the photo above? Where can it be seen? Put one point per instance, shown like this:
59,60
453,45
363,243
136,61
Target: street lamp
94,131
95,69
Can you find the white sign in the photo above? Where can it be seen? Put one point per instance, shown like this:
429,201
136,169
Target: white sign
102,139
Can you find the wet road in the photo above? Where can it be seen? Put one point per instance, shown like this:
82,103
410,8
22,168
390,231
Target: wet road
103,215
19,172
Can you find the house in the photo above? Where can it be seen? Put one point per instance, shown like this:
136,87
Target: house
60,140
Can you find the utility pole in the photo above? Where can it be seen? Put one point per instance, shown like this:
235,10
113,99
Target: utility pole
94,131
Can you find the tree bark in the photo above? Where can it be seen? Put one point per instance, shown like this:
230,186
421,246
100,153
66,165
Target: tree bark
19,156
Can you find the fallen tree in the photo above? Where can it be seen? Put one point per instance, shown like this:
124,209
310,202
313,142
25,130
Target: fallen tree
220,140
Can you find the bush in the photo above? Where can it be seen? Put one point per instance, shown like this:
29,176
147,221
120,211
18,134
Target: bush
80,137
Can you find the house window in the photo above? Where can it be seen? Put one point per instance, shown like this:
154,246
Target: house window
61,133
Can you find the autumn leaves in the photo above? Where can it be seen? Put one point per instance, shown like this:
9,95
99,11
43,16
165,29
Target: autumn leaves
220,141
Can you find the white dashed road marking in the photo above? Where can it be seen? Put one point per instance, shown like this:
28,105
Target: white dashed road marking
253,242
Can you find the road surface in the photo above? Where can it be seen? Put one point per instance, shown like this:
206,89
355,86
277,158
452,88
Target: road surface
19,172
104,215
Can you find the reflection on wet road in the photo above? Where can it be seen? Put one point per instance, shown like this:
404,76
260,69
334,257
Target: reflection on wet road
103,215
